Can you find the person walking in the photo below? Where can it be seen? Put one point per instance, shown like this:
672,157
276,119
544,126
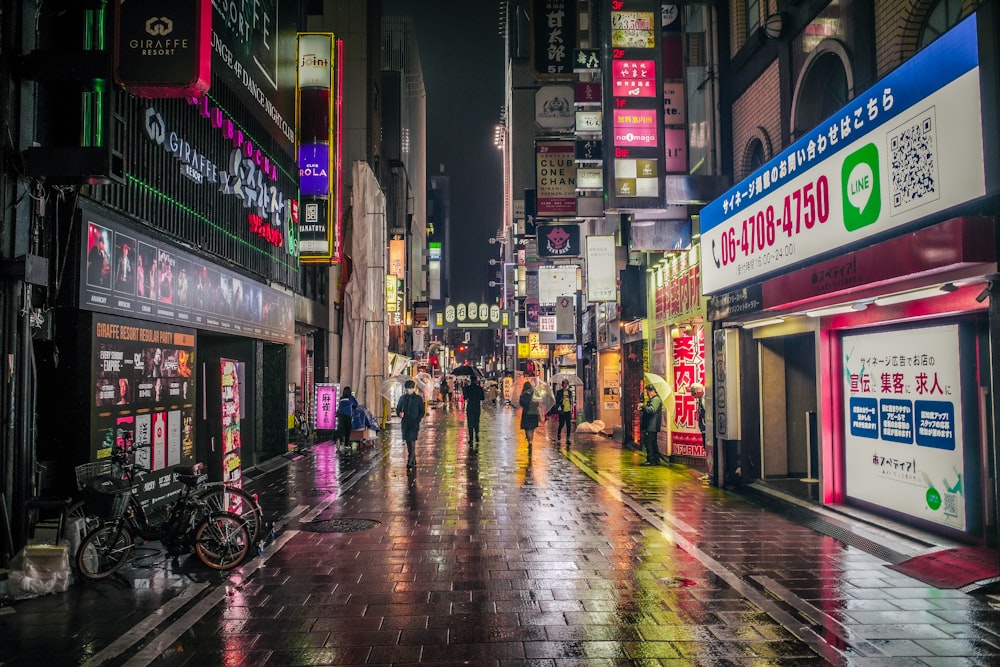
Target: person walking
474,396
564,409
529,411
345,416
410,408
652,413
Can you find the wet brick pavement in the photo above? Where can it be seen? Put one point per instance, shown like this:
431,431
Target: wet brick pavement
512,556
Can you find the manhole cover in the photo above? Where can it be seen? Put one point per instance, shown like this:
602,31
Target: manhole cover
339,525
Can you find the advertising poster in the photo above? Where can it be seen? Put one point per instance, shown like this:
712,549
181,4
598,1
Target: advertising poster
555,178
127,273
326,406
144,394
689,368
907,148
903,422
231,439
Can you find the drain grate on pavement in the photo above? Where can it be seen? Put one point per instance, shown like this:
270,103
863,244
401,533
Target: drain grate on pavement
339,525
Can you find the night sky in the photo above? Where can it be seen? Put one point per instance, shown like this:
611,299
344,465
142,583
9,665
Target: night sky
461,54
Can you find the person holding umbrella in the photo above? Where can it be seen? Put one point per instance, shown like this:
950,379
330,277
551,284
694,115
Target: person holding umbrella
474,397
652,413
529,411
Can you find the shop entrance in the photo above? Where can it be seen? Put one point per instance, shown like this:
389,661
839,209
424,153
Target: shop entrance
788,435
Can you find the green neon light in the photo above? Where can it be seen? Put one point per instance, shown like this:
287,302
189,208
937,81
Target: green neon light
199,216
248,134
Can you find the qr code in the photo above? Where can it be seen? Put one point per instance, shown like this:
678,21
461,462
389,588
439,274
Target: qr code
951,504
913,163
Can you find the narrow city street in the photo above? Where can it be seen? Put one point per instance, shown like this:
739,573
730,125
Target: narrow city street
515,555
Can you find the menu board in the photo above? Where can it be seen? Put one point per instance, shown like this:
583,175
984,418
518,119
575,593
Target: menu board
142,376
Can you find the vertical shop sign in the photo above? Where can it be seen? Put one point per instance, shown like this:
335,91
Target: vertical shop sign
554,37
326,405
232,441
555,178
317,147
689,368
632,86
602,279
903,439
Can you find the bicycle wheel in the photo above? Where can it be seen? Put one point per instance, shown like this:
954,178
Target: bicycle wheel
104,551
78,511
222,541
236,501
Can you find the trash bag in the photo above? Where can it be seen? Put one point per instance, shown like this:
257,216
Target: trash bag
39,569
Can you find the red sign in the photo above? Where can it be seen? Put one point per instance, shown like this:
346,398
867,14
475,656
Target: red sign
634,78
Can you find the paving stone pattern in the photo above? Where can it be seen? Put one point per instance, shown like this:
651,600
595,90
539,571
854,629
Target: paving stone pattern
510,556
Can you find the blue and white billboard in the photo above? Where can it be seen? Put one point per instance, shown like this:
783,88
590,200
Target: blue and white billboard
905,149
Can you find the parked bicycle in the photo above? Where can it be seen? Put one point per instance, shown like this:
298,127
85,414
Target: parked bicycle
220,540
218,496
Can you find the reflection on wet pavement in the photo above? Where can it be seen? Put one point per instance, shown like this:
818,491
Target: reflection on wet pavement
510,555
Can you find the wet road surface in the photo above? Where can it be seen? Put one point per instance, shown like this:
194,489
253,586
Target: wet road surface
510,556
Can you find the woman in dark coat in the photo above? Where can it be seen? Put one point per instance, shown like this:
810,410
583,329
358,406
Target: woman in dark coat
529,411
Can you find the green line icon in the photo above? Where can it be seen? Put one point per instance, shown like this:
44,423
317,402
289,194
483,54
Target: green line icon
861,190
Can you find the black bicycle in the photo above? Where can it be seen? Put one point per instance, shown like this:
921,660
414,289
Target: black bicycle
220,540
218,496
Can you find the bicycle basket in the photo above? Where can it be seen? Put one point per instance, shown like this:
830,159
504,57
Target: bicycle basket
90,471
106,497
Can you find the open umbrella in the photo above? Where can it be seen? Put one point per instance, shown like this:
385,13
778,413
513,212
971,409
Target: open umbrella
392,387
662,388
543,394
466,370
573,379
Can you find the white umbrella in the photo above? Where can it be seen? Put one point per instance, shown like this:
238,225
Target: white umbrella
392,388
573,379
543,395
662,388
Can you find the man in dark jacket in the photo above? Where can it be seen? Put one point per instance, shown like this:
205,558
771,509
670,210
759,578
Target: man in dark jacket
652,413
474,396
410,409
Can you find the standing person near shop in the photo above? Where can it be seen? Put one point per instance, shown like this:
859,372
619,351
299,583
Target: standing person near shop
698,391
345,414
652,413
529,411
564,409
474,397
410,408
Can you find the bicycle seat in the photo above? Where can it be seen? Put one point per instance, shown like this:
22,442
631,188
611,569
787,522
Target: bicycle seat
193,480
193,469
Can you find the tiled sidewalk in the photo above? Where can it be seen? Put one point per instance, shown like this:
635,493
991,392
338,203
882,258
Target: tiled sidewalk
515,556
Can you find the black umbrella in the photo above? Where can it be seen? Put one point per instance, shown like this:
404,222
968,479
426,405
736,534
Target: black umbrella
467,370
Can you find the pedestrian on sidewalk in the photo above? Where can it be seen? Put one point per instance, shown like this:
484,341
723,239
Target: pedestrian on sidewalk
529,411
564,409
698,391
474,397
345,415
410,408
649,424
